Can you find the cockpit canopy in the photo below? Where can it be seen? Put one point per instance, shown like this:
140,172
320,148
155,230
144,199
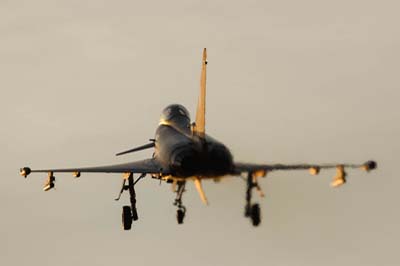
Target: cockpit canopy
175,115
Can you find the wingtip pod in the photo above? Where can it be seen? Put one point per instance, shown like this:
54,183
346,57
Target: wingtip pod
25,171
369,165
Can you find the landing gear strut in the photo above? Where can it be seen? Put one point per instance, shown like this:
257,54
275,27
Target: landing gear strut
252,211
129,213
180,213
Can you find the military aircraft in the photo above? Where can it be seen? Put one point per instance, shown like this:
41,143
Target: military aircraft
183,152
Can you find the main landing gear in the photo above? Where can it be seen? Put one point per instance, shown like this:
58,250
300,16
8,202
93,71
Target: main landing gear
180,213
252,211
129,213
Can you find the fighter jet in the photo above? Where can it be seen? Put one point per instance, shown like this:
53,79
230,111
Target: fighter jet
183,153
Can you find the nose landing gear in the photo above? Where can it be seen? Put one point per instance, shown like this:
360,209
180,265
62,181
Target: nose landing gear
252,211
180,213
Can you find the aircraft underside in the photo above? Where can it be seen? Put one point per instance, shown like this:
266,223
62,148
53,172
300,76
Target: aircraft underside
130,213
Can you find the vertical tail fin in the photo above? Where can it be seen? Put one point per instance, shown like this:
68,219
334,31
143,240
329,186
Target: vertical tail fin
201,105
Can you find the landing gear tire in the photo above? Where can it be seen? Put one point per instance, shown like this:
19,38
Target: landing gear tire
127,217
180,215
255,214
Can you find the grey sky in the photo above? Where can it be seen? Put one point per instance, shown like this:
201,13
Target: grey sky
307,81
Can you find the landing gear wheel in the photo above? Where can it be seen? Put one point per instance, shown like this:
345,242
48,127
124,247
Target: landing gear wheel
255,214
126,217
180,215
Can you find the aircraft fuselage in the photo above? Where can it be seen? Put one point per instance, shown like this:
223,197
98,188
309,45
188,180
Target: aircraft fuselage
186,154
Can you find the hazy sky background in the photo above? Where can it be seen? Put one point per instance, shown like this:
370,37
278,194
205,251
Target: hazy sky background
288,81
